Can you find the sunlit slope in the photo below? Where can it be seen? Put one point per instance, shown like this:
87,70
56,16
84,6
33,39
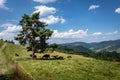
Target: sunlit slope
75,68
5,72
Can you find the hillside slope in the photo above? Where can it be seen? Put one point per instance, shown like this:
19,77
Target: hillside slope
112,45
71,49
75,68
5,72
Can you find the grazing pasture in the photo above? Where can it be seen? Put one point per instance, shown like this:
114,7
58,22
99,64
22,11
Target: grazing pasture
74,68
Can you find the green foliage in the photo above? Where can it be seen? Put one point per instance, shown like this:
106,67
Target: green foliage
108,46
107,56
12,42
53,47
1,43
118,50
79,50
34,33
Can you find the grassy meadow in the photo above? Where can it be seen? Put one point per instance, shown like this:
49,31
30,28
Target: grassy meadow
5,72
75,68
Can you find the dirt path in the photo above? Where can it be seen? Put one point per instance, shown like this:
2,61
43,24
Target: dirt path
3,66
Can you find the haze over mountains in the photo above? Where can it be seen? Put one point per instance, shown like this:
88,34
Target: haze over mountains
104,46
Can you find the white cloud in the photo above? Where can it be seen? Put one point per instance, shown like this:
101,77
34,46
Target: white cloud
45,10
10,27
70,34
117,10
112,33
53,20
97,34
9,31
45,1
62,20
93,7
2,4
47,16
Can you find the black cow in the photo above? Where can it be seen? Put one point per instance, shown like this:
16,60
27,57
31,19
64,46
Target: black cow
16,54
46,56
69,56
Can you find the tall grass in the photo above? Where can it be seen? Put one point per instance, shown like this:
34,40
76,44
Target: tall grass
5,72
75,68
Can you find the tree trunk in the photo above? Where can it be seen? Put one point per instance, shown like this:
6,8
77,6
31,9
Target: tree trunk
43,43
33,54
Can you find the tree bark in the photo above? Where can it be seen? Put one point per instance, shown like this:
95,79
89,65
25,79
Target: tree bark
43,43
33,54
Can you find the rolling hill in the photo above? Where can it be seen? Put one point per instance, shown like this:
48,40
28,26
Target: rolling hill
75,68
107,46
73,48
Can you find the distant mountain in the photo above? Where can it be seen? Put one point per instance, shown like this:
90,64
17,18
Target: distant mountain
109,46
71,48
104,46
105,50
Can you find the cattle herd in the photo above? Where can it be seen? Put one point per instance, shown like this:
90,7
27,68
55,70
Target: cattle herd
48,57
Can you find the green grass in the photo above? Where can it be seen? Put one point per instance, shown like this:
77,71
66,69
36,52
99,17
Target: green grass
5,72
118,50
75,68
1,43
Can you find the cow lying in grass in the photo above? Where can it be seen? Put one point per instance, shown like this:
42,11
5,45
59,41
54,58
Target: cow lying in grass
69,56
16,54
46,56
58,57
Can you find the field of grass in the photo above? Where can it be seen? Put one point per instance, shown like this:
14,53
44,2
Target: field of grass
5,72
1,43
118,50
75,68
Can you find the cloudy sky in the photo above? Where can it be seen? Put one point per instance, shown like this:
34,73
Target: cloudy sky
71,20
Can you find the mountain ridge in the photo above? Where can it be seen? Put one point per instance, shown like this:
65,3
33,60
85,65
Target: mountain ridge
111,45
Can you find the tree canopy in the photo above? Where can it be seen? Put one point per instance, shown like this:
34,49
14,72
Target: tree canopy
34,33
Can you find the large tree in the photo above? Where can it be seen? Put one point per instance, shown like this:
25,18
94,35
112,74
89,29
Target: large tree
34,33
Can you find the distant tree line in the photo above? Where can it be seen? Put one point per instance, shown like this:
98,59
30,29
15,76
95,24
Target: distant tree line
111,56
103,55
8,41
80,50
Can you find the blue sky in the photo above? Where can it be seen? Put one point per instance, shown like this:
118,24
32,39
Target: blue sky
71,20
